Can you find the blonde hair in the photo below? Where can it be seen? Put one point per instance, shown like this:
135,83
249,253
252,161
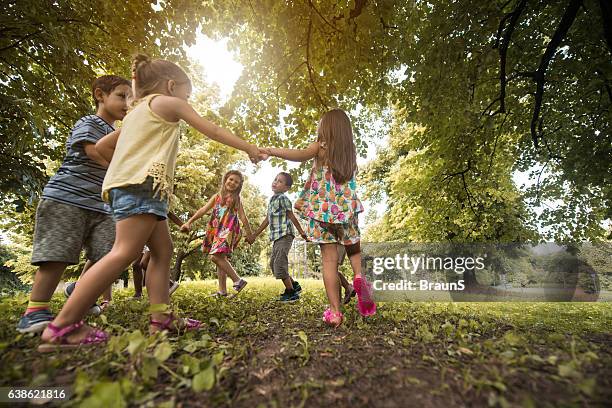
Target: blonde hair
151,75
336,135
235,195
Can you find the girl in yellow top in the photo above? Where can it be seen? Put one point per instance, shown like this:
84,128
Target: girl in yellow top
137,186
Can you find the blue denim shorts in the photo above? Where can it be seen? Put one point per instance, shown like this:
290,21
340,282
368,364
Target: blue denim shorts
137,199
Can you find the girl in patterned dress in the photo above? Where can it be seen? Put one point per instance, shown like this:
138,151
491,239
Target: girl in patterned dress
223,229
330,206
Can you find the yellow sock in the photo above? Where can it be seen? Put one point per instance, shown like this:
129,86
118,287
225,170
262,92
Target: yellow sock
34,306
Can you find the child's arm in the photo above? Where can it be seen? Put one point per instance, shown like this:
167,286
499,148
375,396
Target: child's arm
254,235
105,147
173,217
187,226
244,219
184,111
297,224
92,153
298,155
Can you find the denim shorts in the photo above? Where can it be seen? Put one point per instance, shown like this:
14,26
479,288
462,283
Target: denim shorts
137,199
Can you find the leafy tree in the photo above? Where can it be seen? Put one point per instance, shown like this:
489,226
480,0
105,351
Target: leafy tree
50,52
427,203
529,77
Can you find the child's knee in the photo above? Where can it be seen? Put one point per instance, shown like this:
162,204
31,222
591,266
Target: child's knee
125,256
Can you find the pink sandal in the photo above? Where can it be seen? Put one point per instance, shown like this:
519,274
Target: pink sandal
185,324
59,340
333,318
365,303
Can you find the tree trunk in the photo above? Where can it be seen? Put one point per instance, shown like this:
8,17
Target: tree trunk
176,272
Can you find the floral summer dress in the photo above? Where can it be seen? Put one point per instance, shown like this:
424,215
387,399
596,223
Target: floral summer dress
330,209
223,230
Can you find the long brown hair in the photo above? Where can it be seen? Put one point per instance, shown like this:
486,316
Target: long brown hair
151,75
235,195
336,134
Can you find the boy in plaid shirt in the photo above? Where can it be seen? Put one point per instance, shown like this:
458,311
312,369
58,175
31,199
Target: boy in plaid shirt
280,218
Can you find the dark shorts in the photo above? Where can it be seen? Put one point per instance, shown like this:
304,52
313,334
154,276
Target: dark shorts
137,199
63,230
279,259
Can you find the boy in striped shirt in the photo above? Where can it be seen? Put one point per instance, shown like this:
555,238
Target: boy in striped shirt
280,217
71,214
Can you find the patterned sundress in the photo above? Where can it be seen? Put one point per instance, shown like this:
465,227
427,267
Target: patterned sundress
331,210
223,230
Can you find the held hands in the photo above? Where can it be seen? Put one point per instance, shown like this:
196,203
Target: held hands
186,227
250,239
265,152
256,154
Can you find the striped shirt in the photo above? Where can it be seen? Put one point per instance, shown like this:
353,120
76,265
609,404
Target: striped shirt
79,179
280,224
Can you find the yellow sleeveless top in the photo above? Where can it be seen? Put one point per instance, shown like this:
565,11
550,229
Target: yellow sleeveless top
147,146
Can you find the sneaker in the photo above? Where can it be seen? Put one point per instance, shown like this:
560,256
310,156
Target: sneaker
297,287
238,286
289,296
69,289
35,322
173,286
93,310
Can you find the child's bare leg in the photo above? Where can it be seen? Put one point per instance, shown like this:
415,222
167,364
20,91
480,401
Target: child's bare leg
107,294
288,282
223,264
329,254
158,269
138,278
46,280
356,264
131,235
144,262
88,264
222,277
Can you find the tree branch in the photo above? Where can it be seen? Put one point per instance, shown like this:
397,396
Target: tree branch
503,49
495,145
606,16
356,12
312,6
309,66
566,22
284,81
22,39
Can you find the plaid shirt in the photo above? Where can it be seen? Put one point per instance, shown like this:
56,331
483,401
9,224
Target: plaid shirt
280,224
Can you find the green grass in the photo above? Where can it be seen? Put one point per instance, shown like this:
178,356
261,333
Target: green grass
255,351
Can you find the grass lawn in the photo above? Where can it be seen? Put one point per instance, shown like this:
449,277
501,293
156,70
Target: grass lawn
255,351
